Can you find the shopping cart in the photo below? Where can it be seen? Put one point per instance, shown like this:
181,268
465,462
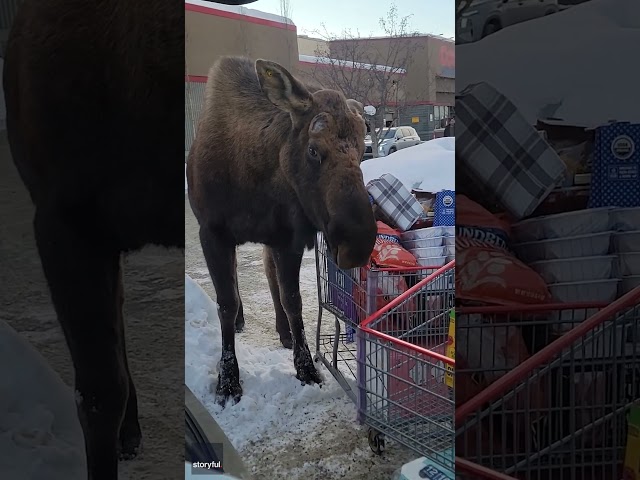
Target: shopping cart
384,365
406,379
546,389
351,297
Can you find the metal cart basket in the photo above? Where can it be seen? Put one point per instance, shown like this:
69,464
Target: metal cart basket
386,348
546,390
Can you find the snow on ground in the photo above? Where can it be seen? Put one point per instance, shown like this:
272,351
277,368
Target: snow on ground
556,66
272,396
280,428
429,166
40,435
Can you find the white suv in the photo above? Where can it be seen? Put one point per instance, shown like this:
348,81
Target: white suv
397,138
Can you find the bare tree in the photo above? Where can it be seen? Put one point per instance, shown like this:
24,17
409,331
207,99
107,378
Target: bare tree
369,70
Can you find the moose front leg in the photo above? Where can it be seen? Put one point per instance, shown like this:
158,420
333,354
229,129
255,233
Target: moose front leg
220,256
83,279
288,272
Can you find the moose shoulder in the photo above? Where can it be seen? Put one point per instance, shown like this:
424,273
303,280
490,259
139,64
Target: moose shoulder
274,162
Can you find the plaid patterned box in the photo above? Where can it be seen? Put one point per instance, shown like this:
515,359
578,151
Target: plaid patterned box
399,206
503,152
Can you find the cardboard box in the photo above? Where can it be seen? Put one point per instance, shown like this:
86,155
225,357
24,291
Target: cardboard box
445,209
615,180
400,209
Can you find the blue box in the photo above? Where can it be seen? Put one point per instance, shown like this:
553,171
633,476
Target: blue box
615,179
444,209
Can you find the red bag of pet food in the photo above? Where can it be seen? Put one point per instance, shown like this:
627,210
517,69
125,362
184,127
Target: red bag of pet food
388,252
485,269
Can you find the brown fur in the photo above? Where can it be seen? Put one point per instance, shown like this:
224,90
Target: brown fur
94,107
253,177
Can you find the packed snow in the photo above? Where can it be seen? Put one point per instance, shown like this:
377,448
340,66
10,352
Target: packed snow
280,428
429,166
272,395
40,435
573,65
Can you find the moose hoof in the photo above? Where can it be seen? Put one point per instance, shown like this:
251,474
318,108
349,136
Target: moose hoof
309,376
129,446
286,341
228,390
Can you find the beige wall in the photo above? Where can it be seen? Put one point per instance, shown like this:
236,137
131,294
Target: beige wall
310,46
431,58
209,36
319,74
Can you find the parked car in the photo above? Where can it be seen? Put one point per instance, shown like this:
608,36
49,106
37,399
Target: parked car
484,17
393,139
368,148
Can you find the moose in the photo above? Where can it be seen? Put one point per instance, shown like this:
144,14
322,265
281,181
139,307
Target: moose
275,161
94,99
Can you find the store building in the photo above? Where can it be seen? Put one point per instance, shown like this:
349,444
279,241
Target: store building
428,87
213,30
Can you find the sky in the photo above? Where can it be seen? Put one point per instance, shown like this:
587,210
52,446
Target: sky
362,16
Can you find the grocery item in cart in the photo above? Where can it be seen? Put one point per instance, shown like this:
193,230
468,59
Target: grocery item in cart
488,272
425,469
388,252
615,178
398,206
626,242
625,219
561,225
598,291
496,351
445,209
589,245
388,286
519,166
629,263
476,222
451,349
589,389
576,269
629,283
632,456
432,261
427,233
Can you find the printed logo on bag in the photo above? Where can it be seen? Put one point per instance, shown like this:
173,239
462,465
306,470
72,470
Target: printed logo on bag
447,201
623,147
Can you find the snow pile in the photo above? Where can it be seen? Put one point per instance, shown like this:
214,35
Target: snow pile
429,166
274,406
40,435
573,65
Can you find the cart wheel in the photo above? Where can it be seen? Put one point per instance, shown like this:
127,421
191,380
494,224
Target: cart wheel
376,441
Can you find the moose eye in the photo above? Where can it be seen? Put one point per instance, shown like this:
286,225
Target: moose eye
313,153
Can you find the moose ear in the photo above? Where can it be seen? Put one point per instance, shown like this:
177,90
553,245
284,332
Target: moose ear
319,123
282,88
356,106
